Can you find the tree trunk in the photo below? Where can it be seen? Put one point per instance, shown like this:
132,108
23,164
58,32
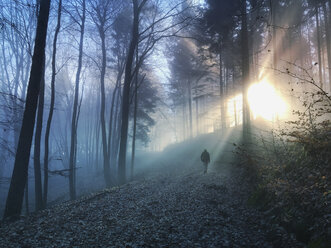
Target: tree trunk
26,77
274,34
116,129
20,172
37,142
134,124
222,95
183,121
16,105
328,41
245,72
26,196
235,112
126,94
106,165
51,107
190,108
135,115
89,138
72,160
318,46
111,116
97,138
197,114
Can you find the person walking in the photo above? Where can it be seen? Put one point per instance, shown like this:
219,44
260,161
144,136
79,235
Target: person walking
205,158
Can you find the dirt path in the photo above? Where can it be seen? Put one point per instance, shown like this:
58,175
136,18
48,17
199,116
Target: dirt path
187,210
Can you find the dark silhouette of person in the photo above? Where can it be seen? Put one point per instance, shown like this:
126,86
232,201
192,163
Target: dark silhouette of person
205,158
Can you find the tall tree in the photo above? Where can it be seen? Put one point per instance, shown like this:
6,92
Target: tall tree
318,36
274,9
126,90
134,119
135,112
327,24
187,69
37,143
51,107
102,13
147,97
220,20
155,27
74,119
245,70
121,38
20,172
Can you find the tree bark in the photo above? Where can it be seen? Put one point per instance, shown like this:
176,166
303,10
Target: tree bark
274,34
328,41
222,95
134,116
26,196
111,115
37,142
235,113
51,107
97,137
134,125
117,127
126,93
189,93
245,72
197,113
20,172
106,162
73,143
318,46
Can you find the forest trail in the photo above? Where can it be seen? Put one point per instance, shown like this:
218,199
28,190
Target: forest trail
188,209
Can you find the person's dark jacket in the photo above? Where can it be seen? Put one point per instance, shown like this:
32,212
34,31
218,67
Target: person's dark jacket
205,157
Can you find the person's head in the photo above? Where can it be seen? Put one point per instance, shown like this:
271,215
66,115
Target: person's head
205,150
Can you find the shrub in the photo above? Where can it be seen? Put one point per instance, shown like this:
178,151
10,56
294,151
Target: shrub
293,167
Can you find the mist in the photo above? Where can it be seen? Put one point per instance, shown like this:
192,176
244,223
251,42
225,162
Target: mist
100,95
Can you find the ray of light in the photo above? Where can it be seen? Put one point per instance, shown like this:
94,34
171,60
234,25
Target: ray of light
265,102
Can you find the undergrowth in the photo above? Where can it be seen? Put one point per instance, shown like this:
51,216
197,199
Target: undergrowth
290,169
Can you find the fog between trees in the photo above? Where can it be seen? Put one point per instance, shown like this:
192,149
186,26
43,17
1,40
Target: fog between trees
126,79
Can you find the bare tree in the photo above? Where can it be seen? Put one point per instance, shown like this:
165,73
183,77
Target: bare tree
327,23
74,120
245,70
155,29
318,36
102,14
51,107
18,24
37,172
134,118
20,172
126,89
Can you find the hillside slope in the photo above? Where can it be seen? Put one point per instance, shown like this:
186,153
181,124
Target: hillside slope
186,209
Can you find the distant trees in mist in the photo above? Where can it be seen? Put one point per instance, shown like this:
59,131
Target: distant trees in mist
97,95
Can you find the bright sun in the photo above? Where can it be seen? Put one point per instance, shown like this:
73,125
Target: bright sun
265,102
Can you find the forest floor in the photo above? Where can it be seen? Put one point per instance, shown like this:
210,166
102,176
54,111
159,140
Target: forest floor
182,208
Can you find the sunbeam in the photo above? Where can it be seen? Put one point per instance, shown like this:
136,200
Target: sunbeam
265,102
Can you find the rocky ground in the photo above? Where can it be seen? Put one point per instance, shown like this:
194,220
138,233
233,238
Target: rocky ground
187,209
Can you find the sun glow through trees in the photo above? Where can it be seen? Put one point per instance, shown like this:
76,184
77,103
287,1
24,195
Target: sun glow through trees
265,102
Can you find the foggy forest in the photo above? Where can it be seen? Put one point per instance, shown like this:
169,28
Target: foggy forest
165,123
